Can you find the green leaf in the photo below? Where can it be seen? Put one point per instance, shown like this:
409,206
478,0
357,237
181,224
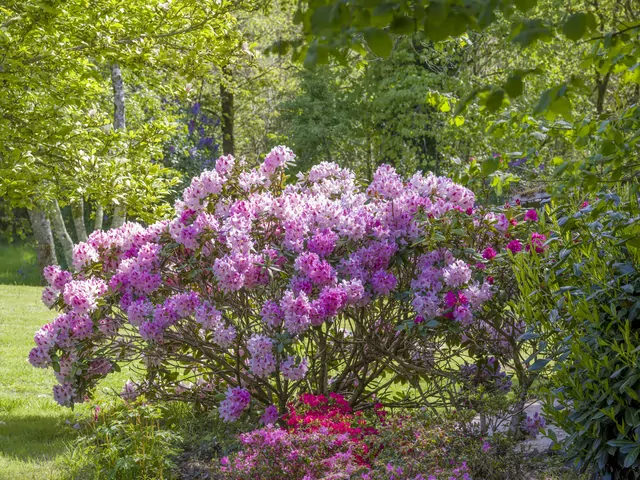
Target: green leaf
514,86
633,242
620,443
437,12
457,24
444,106
524,5
539,364
321,18
311,59
402,25
543,102
575,27
490,165
631,457
494,100
462,104
561,106
530,32
379,42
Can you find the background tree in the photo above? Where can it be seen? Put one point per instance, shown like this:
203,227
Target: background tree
65,66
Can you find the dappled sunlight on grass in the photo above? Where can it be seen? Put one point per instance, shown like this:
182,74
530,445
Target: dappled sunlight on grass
18,265
34,430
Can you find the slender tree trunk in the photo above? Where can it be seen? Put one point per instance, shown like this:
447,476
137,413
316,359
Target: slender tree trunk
323,363
601,87
61,233
77,213
226,101
99,213
119,216
119,123
45,248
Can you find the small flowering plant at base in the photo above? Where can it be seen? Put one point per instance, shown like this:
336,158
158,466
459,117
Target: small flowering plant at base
323,438
420,446
260,288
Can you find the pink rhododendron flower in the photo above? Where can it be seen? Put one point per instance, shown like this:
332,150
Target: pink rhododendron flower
236,402
537,240
270,415
489,253
531,216
514,246
293,370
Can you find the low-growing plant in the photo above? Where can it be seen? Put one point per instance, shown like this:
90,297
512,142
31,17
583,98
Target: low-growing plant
419,445
125,441
323,438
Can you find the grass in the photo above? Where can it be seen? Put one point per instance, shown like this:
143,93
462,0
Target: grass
34,430
18,265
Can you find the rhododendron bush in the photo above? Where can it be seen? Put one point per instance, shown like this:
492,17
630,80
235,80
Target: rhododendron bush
261,288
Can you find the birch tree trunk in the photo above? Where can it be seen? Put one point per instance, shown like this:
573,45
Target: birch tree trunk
45,248
119,123
77,213
61,233
97,224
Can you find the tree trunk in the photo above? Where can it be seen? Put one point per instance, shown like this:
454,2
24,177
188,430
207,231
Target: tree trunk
45,248
601,88
61,233
119,216
77,213
226,101
99,213
119,123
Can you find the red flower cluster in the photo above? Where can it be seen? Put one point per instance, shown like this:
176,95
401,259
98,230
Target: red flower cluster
333,415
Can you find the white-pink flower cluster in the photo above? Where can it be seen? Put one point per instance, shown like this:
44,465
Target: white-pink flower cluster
262,362
236,401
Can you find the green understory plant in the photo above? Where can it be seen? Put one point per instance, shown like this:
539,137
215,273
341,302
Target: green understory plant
126,441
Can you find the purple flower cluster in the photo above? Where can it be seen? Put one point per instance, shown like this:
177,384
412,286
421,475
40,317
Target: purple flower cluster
270,415
262,362
292,370
534,424
236,401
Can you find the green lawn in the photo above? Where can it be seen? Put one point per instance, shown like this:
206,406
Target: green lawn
18,265
34,432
